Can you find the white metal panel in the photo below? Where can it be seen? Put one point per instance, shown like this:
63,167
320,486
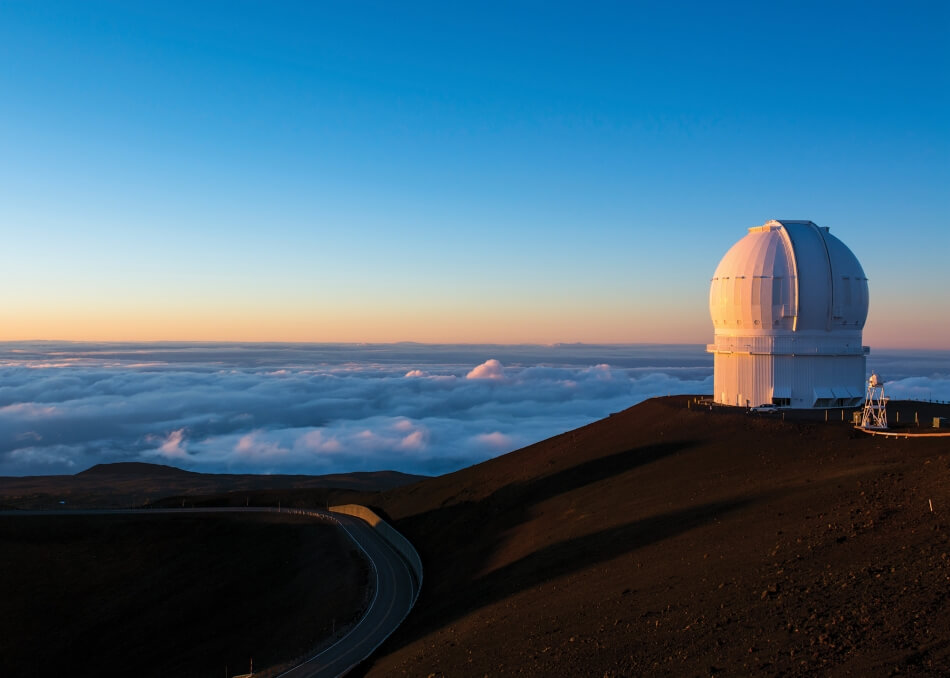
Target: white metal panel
850,285
814,275
741,292
741,377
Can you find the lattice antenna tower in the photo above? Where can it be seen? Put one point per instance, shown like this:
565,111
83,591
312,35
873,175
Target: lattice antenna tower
875,405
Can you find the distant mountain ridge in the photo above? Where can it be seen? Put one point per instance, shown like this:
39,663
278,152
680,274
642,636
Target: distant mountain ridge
125,484
133,468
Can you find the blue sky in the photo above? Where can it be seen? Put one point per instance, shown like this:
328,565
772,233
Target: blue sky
479,172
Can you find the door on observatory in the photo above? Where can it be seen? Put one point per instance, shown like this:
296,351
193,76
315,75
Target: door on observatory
782,396
778,300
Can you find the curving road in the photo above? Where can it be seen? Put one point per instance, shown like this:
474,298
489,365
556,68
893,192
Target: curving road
394,595
394,590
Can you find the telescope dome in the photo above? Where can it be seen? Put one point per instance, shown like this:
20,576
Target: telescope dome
788,276
788,304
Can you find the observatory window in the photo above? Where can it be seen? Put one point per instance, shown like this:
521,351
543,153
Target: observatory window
846,286
782,402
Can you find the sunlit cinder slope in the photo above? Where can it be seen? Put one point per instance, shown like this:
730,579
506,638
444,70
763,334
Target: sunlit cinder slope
674,540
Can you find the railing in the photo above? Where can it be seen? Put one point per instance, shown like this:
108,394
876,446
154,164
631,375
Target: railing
401,545
905,433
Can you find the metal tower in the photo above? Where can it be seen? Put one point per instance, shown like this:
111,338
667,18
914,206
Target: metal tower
875,405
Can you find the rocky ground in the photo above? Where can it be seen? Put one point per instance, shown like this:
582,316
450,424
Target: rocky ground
674,540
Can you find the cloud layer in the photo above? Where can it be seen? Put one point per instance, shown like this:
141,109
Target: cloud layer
308,409
327,408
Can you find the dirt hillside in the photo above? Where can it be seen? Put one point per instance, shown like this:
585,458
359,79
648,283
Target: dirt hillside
669,539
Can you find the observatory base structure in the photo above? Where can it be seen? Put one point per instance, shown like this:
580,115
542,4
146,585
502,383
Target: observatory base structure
746,377
788,304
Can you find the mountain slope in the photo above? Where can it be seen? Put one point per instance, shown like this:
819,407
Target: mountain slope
674,540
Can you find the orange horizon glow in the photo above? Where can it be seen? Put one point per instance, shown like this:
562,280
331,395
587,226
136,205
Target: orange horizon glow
495,328
539,326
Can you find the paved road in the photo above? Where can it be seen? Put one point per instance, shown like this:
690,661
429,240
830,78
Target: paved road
391,602
393,595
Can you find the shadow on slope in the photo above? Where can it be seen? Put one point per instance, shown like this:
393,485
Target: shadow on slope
463,579
744,541
574,555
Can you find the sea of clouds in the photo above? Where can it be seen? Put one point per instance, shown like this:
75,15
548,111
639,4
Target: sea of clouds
334,408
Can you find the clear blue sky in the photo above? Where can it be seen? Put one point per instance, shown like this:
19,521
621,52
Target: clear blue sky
458,171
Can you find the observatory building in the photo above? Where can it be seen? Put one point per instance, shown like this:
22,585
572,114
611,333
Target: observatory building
788,304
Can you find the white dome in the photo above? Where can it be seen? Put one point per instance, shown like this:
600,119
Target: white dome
788,276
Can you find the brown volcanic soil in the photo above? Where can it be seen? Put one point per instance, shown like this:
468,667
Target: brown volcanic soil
162,595
682,542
